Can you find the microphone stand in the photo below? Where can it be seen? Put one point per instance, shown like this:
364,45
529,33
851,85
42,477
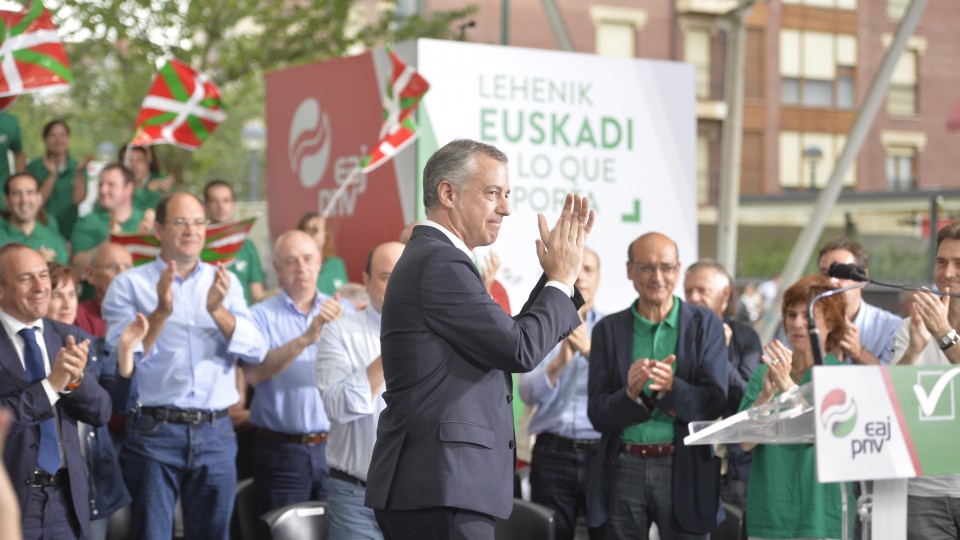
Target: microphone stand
812,331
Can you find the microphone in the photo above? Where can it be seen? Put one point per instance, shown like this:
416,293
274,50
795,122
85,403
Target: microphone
850,272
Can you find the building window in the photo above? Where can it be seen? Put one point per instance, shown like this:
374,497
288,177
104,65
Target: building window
817,69
696,51
830,4
616,29
901,168
807,160
903,148
902,94
896,9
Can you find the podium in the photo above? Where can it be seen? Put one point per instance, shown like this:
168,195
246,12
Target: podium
868,423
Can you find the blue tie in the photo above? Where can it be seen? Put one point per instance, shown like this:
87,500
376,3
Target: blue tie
48,458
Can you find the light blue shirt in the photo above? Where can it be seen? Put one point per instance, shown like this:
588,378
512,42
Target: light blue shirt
191,365
877,329
348,346
562,409
290,402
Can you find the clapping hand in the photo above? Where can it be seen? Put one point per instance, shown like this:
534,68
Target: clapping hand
560,249
218,291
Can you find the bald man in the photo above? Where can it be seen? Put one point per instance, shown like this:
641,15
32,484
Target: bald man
350,378
289,460
106,262
655,367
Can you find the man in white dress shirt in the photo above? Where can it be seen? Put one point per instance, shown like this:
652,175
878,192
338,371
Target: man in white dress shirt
350,378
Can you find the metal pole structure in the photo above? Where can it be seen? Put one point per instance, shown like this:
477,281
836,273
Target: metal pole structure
550,9
934,220
728,203
803,248
504,22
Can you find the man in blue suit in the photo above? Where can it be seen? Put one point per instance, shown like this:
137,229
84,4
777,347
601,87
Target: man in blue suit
41,363
443,462
654,367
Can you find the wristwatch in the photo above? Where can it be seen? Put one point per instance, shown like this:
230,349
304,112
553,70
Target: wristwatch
948,340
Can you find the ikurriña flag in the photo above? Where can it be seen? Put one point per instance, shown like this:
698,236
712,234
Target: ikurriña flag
403,93
182,108
32,56
221,245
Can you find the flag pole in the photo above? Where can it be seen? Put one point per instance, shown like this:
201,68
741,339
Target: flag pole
354,174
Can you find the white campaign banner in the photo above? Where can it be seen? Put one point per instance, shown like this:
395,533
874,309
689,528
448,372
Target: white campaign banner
858,428
620,131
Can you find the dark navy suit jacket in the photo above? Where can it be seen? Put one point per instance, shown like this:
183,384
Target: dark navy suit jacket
29,404
699,393
446,437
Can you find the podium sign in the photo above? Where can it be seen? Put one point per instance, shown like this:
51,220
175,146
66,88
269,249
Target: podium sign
877,422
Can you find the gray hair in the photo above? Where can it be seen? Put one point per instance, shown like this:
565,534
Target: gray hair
710,264
455,162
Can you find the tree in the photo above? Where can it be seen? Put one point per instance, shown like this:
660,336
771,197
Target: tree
115,47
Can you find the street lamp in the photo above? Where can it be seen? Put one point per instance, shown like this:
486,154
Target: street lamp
813,155
254,140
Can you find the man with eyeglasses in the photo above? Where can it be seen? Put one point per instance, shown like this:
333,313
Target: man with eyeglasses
654,367
107,261
181,440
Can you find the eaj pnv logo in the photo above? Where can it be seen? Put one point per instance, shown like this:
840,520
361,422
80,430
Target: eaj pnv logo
838,413
309,142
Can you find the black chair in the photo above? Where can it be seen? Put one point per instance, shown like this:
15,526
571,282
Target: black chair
299,520
244,524
529,521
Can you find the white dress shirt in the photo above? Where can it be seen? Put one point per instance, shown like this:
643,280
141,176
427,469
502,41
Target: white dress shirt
347,346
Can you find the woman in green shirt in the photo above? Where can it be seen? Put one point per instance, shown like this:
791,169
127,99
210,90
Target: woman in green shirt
784,499
333,272
151,185
63,181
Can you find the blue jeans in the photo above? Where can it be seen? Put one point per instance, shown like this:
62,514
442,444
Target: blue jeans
643,494
558,481
287,473
348,518
197,462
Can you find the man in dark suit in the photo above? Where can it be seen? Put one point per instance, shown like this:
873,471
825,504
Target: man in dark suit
443,462
707,284
654,367
43,365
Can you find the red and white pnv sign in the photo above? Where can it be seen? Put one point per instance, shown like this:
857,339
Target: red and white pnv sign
322,119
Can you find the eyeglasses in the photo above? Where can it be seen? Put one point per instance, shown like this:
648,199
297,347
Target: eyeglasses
645,268
181,223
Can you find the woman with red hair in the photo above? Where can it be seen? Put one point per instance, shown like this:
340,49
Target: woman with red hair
784,499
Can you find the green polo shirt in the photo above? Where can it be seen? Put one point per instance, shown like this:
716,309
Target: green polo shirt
333,275
247,267
656,341
42,236
60,204
93,229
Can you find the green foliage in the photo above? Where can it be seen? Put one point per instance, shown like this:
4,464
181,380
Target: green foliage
116,46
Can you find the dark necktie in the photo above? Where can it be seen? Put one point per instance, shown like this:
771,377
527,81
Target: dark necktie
48,458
